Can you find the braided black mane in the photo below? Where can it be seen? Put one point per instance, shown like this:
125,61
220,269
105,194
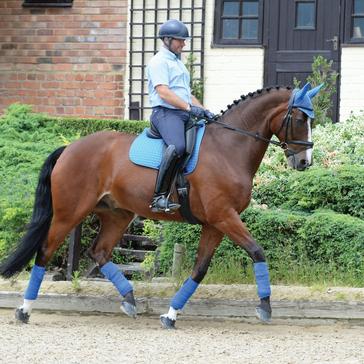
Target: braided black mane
253,94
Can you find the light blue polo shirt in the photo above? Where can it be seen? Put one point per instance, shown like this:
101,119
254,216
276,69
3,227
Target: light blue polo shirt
166,69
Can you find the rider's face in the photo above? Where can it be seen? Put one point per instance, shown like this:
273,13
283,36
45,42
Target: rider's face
177,45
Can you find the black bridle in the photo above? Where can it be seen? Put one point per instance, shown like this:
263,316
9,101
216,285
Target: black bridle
286,123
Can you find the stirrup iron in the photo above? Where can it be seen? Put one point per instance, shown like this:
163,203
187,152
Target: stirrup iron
162,204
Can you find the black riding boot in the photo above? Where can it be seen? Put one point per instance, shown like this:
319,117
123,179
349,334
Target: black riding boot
167,172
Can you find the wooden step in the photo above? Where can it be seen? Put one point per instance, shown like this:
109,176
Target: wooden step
137,255
137,242
129,269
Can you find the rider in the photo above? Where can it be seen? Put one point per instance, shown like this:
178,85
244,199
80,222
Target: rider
173,104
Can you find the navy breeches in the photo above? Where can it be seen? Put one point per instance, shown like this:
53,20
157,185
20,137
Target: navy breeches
171,126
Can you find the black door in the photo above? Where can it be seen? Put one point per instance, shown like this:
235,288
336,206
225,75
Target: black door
295,31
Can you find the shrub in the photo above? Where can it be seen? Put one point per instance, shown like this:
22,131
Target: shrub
340,143
335,144
89,126
322,72
339,189
332,241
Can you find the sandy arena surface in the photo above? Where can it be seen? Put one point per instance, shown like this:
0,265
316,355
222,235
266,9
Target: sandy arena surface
74,338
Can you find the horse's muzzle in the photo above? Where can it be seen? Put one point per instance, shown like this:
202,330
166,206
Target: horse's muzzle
300,164
303,164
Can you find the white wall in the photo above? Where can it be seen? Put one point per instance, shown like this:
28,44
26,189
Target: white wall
229,72
352,81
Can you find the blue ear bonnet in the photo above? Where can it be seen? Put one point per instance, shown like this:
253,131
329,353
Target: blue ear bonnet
302,99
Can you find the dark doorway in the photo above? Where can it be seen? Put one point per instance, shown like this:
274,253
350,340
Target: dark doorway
295,31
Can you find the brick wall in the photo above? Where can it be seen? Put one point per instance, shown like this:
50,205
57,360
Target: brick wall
64,61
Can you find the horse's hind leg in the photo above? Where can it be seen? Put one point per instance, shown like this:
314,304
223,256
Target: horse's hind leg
209,241
113,225
56,235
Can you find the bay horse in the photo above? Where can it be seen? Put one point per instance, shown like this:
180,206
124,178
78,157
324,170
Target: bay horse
94,174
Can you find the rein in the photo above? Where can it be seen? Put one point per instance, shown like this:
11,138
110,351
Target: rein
286,122
256,135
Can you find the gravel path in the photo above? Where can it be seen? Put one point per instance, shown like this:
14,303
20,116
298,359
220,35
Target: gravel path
73,338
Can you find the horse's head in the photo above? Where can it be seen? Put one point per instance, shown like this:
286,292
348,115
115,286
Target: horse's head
294,132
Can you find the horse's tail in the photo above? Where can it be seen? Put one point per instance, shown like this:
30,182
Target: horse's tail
38,228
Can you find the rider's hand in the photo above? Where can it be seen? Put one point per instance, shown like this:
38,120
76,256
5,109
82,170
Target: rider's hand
209,115
197,111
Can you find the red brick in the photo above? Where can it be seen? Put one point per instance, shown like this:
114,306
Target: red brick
50,85
46,93
119,111
63,67
107,86
90,102
79,77
30,85
89,85
103,94
89,77
79,110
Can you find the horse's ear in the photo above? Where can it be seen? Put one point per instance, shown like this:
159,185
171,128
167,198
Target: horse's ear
300,94
312,93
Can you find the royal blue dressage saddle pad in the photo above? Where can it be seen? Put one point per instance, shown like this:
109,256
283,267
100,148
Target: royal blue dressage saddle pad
148,152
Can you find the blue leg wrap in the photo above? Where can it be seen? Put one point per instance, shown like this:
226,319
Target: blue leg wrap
184,293
36,278
262,279
114,274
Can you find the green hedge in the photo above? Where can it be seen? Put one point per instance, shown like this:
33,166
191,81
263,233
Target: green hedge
88,126
339,189
325,238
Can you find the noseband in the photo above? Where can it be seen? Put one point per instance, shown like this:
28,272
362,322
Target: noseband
286,123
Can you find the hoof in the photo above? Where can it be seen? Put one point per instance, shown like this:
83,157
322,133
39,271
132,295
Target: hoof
167,323
128,309
21,316
263,315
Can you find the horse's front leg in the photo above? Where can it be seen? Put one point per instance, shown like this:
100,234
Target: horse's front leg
234,228
209,241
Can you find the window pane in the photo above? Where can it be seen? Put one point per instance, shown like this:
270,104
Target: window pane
230,29
250,8
358,30
231,8
250,29
305,15
359,6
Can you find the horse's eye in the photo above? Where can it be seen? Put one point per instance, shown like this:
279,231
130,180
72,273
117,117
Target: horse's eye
300,121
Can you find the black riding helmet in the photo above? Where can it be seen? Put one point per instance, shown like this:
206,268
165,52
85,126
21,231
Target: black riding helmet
173,29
